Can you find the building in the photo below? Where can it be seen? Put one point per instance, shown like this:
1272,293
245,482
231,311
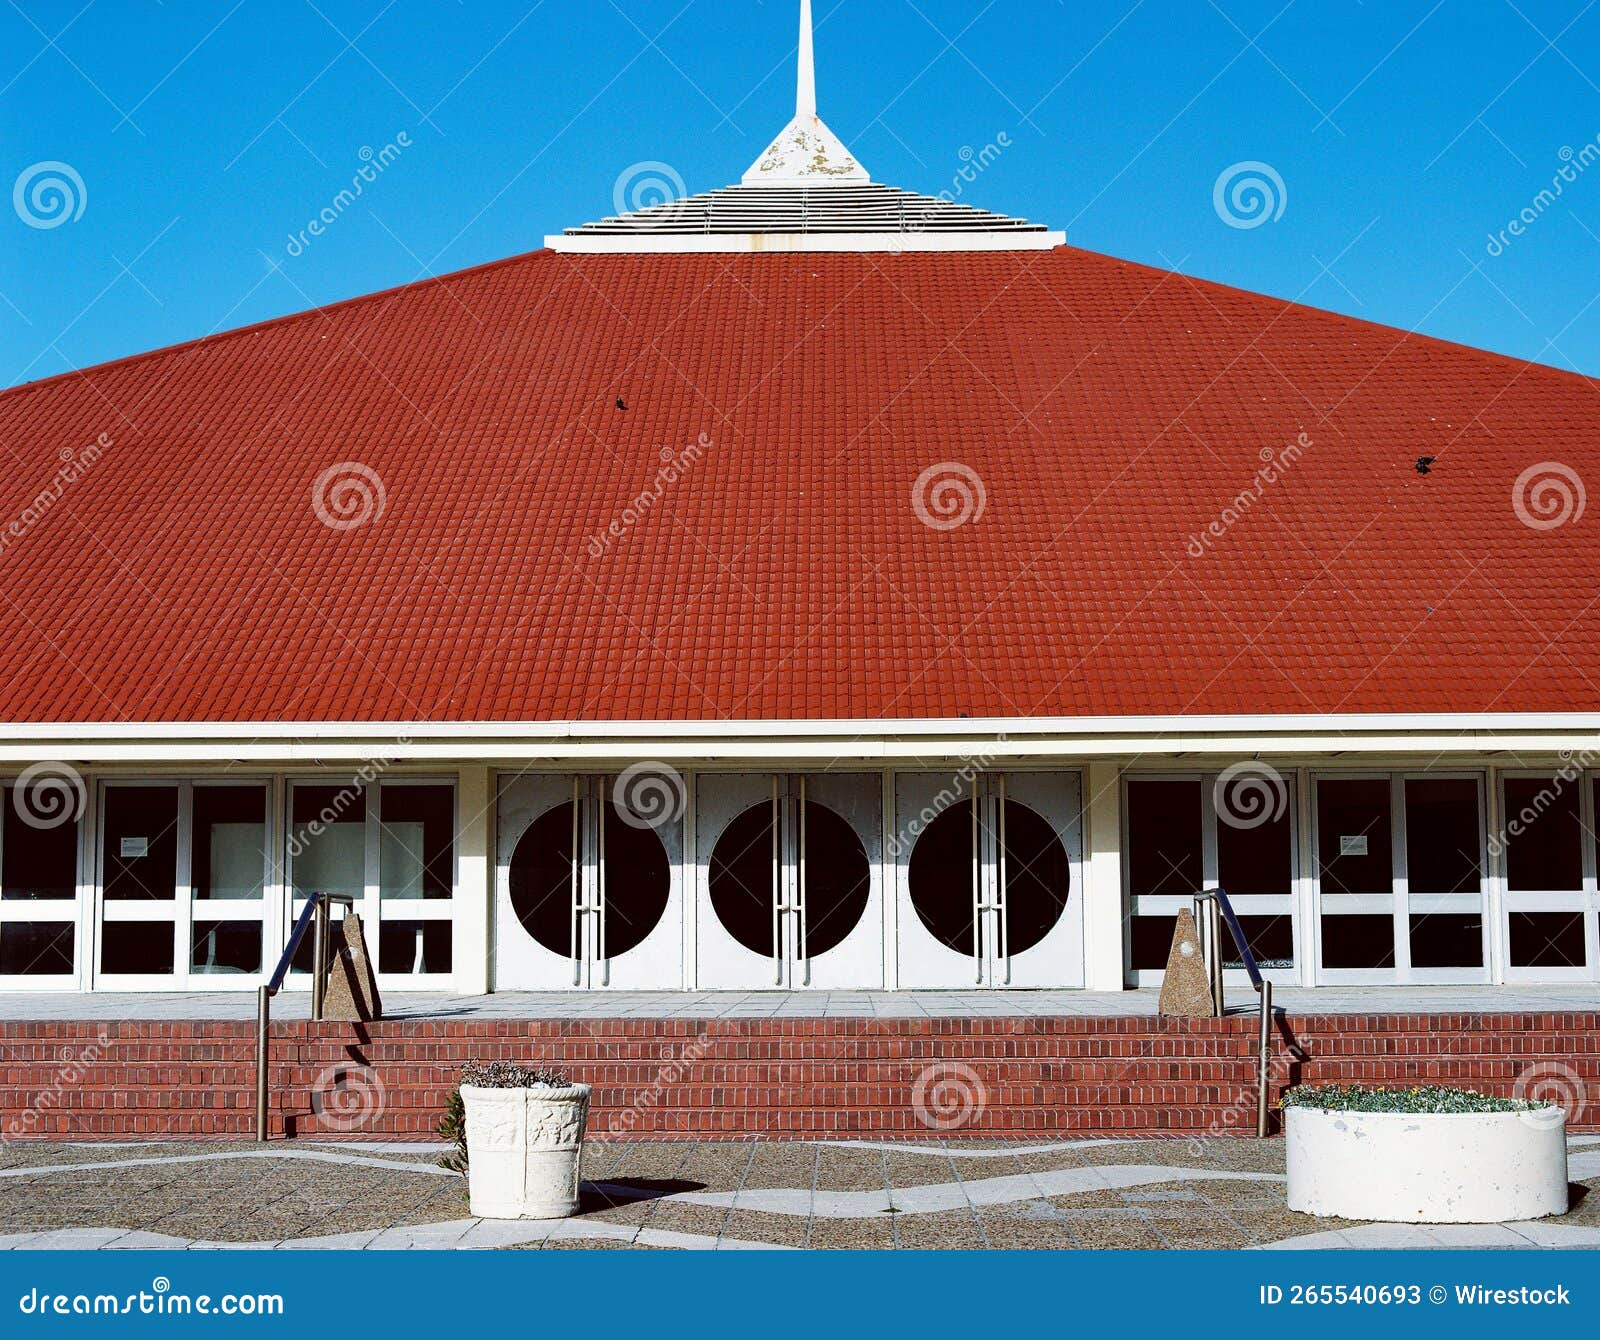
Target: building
808,584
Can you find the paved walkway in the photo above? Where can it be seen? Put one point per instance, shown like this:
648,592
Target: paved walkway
34,1006
1084,1194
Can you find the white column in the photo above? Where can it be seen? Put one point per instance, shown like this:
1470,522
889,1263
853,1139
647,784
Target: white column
474,899
1103,921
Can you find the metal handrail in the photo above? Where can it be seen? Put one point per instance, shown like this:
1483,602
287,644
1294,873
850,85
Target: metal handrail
1220,909
314,915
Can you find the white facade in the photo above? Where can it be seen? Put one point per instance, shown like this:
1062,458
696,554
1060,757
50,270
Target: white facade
953,855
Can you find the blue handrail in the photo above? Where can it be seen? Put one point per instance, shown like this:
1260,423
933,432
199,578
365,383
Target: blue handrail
1249,959
275,982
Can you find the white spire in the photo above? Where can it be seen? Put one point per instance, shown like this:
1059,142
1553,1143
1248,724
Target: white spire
806,152
805,98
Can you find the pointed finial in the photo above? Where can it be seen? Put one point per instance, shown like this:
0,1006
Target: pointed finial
805,99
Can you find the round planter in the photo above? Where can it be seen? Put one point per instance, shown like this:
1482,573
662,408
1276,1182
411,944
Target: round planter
524,1150
1414,1168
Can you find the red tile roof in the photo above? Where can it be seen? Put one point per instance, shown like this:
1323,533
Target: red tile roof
1111,411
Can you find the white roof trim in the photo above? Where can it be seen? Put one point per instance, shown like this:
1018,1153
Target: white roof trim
616,244
907,743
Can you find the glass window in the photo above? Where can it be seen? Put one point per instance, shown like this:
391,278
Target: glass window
230,842
136,947
1547,940
1354,849
36,948
1443,840
1165,851
1358,941
39,862
1150,939
1447,940
328,840
414,946
139,855
226,946
416,845
1544,835
1256,860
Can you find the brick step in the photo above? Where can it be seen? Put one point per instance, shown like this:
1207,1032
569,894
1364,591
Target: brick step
729,1078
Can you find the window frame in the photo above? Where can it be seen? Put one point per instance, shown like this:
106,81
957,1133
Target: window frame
1245,905
53,911
1584,902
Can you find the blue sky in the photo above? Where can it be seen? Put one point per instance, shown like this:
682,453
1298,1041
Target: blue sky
205,136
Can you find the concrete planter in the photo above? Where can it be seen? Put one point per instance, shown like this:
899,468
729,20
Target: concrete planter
525,1150
1415,1168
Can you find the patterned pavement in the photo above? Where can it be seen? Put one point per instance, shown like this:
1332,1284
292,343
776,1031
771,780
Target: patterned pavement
1083,1194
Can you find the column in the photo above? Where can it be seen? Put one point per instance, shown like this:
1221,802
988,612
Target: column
1103,920
475,866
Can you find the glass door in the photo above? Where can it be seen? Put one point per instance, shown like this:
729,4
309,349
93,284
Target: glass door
182,874
1547,839
39,865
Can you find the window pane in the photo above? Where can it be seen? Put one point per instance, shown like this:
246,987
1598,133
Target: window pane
36,948
414,946
1164,850
136,947
1256,860
1544,834
1353,837
1442,837
140,853
39,862
328,840
416,843
230,841
226,946
1151,939
1358,941
1447,940
1271,940
1547,940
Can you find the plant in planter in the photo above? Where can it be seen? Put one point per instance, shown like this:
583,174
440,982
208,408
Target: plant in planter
1423,1155
524,1141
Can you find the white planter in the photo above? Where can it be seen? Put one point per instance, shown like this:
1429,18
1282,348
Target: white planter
525,1150
1446,1168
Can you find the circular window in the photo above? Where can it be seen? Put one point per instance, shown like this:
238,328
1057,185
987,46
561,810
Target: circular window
838,880
638,883
1038,878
